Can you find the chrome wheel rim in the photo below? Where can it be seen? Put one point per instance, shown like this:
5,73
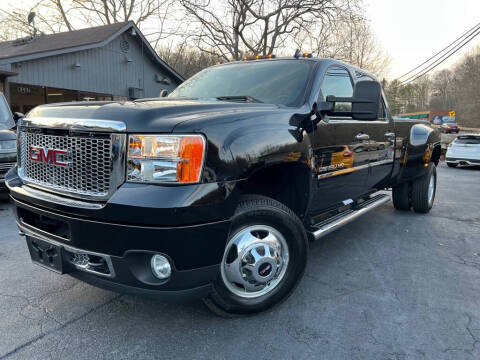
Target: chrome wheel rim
431,189
255,261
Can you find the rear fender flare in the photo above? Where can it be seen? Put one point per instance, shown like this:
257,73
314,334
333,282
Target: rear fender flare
419,134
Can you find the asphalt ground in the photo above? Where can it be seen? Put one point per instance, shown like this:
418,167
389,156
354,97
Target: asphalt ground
391,285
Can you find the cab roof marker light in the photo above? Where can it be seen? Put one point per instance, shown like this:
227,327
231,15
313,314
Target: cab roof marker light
258,57
298,54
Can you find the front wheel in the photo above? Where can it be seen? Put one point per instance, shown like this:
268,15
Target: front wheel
424,190
450,164
264,258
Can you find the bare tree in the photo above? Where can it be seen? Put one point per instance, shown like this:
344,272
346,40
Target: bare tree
102,12
464,89
186,60
67,15
258,27
349,39
456,89
443,90
412,97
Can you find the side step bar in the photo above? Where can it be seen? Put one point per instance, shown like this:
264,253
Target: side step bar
337,221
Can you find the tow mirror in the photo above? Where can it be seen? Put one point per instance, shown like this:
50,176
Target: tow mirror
364,104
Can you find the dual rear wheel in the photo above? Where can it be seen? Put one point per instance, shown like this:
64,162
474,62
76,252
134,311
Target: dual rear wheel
418,194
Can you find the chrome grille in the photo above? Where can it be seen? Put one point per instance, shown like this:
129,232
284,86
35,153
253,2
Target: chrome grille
90,158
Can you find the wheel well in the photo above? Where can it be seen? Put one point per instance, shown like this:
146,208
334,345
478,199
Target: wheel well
286,183
436,153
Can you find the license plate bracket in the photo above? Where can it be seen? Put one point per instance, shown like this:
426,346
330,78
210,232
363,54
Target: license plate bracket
47,255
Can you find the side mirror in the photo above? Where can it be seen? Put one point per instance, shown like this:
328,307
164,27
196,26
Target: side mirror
17,116
365,102
163,93
325,107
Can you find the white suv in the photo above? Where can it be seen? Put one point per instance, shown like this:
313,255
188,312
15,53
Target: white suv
464,150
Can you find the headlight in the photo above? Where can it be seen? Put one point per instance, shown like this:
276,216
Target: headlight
165,158
7,146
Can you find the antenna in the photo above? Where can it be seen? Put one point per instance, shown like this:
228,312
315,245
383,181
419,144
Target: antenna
31,21
31,18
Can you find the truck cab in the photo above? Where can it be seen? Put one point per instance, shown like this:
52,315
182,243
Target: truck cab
217,190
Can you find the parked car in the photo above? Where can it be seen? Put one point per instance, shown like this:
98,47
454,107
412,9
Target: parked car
464,150
449,126
8,141
216,190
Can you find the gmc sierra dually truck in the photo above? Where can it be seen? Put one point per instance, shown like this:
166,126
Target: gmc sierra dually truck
215,191
8,141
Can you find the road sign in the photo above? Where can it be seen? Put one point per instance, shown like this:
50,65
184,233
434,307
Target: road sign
452,113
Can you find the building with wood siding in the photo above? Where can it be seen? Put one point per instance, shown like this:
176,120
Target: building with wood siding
112,62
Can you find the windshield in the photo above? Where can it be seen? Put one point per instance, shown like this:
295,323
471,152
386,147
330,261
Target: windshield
448,121
473,140
6,119
273,82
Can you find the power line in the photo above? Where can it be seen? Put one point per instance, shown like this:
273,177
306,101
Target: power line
441,59
473,29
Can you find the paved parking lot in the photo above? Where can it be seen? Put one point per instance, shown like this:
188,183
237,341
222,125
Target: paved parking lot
391,285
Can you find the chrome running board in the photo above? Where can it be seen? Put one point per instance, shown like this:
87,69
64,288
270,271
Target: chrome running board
335,222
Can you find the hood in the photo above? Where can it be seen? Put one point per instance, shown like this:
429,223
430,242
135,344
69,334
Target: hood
7,135
159,115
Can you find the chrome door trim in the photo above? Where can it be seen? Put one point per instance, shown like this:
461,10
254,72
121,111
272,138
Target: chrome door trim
338,120
381,162
352,169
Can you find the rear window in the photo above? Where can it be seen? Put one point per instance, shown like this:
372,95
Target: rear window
467,140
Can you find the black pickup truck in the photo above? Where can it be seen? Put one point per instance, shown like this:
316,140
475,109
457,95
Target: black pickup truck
8,141
215,191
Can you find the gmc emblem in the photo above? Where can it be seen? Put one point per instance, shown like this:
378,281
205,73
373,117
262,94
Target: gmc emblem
48,156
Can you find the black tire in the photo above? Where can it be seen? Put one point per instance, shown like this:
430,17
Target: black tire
420,199
401,196
450,164
260,210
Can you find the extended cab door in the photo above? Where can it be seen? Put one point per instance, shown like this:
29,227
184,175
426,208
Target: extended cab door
381,135
340,147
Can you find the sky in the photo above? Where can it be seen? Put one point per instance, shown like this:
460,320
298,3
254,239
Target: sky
411,31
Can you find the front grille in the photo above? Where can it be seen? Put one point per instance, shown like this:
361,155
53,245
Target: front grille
89,162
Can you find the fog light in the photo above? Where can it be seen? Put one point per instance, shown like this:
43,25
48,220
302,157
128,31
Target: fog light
161,267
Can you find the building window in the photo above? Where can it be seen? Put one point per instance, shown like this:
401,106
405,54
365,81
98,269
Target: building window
24,98
55,95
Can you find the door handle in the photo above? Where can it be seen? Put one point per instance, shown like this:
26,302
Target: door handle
389,134
362,136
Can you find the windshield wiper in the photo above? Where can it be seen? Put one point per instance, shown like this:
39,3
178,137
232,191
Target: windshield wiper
245,98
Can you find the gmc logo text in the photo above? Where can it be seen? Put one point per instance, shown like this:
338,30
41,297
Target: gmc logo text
48,156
